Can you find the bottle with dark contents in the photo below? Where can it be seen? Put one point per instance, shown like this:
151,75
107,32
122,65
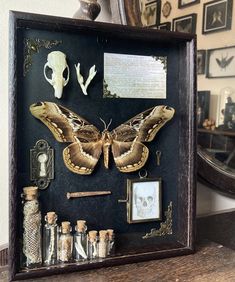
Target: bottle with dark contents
111,242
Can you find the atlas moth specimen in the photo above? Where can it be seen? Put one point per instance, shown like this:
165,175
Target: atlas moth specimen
56,61
87,142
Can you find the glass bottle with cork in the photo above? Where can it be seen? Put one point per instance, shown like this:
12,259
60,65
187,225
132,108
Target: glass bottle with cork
80,241
50,239
32,248
111,242
65,245
102,246
92,245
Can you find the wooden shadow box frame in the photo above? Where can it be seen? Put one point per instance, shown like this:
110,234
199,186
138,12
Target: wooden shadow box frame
173,235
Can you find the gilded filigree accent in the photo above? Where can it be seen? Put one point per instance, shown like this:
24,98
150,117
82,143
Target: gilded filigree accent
107,93
163,61
32,46
165,227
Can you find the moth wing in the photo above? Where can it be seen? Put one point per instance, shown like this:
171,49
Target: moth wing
81,157
229,60
144,126
129,156
65,125
219,62
129,153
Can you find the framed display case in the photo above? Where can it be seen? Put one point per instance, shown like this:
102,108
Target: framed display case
43,51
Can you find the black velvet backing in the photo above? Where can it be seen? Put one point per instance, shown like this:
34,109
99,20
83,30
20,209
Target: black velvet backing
99,212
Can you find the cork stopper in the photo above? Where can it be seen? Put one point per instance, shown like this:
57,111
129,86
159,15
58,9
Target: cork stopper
65,227
81,225
92,235
103,234
110,233
51,217
30,192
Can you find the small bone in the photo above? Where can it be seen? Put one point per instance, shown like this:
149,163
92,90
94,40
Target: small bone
92,73
87,194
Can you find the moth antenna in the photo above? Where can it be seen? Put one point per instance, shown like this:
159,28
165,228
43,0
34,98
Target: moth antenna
109,124
105,126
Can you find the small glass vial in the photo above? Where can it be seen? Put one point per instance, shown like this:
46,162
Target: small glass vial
80,241
50,239
32,252
65,245
102,245
111,242
92,245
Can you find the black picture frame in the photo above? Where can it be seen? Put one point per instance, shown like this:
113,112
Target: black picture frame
186,3
180,199
201,61
220,62
186,24
150,13
217,16
164,26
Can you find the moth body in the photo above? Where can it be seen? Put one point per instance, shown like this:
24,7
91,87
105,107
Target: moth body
106,142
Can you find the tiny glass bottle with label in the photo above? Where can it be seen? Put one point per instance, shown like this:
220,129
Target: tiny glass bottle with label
80,241
111,242
32,247
102,245
50,239
65,245
92,245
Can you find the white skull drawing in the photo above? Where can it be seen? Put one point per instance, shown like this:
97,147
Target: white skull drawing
144,200
56,61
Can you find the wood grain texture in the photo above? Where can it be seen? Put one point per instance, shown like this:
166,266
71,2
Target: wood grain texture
212,262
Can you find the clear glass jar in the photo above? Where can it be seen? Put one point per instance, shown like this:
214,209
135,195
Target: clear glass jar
111,242
65,244
50,239
80,241
103,244
32,247
92,245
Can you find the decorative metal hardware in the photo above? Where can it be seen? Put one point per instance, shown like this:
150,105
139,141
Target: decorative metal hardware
165,227
32,46
41,164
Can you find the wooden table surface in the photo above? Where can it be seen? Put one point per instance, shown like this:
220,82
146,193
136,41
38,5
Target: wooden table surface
211,263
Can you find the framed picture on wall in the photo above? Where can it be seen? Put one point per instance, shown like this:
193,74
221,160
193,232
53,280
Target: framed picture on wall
186,3
220,62
165,26
217,16
185,24
201,61
150,12
203,105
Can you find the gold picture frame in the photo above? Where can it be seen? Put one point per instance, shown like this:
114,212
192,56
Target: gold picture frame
144,200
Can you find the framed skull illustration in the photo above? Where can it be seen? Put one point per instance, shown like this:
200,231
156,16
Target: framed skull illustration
144,200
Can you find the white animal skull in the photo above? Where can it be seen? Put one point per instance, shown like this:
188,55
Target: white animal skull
56,61
144,201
